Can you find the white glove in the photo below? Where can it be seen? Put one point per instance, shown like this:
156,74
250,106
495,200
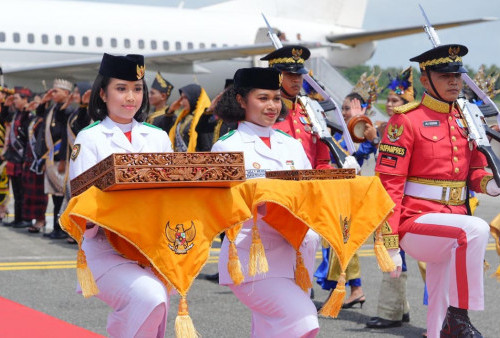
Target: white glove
492,188
398,261
350,162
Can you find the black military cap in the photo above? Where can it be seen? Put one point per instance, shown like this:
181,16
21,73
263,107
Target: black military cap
162,85
443,59
289,59
129,67
263,78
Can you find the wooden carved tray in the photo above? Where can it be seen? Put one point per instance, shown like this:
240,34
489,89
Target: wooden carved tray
161,170
312,174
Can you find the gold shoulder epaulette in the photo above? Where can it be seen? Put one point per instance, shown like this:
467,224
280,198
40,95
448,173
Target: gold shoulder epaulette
406,107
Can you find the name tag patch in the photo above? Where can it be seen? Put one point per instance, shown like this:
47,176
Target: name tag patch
431,123
256,173
388,161
394,150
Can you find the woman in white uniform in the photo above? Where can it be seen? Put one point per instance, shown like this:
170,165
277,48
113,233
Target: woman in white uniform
280,308
119,101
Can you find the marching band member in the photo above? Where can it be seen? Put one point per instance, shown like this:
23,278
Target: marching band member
280,308
118,102
426,162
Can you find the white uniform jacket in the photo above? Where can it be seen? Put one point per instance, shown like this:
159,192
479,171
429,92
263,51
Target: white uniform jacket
285,153
94,144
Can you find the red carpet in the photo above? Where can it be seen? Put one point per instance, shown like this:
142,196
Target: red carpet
19,321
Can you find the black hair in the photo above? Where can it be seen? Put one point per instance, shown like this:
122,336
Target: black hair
97,107
353,96
229,110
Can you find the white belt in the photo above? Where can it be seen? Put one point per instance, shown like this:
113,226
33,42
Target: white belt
441,194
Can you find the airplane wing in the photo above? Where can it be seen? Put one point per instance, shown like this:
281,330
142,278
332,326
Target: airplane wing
174,62
353,39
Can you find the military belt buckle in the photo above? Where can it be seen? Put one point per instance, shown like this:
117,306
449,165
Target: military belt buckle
455,196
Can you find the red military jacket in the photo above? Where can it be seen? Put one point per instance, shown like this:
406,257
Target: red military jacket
428,141
297,125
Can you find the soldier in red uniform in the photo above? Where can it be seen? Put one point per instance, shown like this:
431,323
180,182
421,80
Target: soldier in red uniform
426,163
290,61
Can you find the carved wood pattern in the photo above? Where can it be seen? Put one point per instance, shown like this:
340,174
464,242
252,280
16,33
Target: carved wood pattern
312,174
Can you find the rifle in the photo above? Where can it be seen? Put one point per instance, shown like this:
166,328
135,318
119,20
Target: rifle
474,118
316,113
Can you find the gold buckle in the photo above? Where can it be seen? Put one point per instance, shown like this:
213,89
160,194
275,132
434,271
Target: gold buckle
455,195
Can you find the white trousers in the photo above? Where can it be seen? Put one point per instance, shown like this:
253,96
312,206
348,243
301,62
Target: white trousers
279,308
453,246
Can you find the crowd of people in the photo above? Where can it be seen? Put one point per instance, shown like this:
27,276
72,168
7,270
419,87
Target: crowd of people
424,159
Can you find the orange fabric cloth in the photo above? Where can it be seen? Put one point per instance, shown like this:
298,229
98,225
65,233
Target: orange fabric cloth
154,226
495,231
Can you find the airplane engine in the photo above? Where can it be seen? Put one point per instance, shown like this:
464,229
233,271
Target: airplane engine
351,56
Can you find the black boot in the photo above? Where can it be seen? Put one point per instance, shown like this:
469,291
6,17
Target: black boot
457,324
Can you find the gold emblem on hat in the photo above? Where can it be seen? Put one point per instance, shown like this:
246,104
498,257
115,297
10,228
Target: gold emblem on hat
453,52
296,54
140,72
280,79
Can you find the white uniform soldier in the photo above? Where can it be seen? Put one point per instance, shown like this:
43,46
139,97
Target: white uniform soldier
119,98
280,308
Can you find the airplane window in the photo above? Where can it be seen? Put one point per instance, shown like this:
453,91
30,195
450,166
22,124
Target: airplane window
213,45
45,39
71,40
58,39
98,42
202,45
153,44
126,43
166,45
85,40
17,37
2,37
141,43
31,37
114,43
224,45
178,45
190,45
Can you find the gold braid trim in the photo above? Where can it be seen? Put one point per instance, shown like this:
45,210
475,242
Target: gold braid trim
438,183
285,60
436,105
386,228
484,182
439,61
391,241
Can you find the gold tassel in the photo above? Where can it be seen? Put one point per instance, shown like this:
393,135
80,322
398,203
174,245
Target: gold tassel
234,265
497,274
184,327
257,260
302,278
84,275
333,304
384,260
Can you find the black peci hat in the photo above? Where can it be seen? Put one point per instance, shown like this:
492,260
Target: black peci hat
262,78
289,59
162,85
443,59
129,67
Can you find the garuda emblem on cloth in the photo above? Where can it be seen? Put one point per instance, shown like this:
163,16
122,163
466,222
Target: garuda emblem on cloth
345,225
394,132
180,239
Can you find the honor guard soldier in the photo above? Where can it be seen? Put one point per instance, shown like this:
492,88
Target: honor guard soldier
289,60
427,163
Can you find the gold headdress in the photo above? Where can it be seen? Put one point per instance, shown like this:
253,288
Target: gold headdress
367,87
